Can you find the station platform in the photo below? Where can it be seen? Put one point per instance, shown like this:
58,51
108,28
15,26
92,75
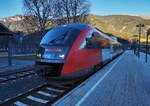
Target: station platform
16,65
123,82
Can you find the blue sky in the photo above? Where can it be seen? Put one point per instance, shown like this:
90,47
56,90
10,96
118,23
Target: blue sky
109,7
10,7
100,7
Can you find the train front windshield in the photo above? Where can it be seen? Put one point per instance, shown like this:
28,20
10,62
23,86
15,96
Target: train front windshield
60,36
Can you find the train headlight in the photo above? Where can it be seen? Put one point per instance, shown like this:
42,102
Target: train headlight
61,55
39,55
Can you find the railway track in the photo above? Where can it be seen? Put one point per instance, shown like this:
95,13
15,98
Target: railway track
16,75
45,94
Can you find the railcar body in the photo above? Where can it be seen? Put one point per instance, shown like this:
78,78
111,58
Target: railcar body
73,50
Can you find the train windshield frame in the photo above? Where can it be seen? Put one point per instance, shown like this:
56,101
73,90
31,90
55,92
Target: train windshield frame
60,36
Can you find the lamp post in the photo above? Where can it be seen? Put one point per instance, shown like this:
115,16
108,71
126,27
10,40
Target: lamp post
148,33
140,26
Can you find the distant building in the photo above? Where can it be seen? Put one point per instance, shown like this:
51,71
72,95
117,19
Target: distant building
5,32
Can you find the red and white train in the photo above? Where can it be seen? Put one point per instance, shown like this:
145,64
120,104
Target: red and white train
73,50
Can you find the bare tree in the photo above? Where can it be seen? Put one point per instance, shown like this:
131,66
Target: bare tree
37,13
72,11
30,24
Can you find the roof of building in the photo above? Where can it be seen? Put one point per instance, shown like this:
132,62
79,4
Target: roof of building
5,31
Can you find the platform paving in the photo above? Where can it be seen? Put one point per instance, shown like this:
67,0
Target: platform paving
16,65
124,82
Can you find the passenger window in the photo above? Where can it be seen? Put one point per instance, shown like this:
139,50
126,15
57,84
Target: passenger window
115,45
101,41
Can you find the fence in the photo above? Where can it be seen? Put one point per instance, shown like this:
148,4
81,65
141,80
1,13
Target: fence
23,48
20,48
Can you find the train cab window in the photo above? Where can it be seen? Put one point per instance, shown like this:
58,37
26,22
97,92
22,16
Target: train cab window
95,41
60,36
89,42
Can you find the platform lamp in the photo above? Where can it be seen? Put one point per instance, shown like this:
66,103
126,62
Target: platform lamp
148,33
140,26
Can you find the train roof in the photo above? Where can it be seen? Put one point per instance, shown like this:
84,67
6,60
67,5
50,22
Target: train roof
78,26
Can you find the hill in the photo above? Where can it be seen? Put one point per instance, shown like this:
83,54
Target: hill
14,23
123,26
145,16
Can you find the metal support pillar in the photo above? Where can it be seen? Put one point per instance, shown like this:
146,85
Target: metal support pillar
9,51
148,33
139,41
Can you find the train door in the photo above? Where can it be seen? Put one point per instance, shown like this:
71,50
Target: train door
115,48
104,44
